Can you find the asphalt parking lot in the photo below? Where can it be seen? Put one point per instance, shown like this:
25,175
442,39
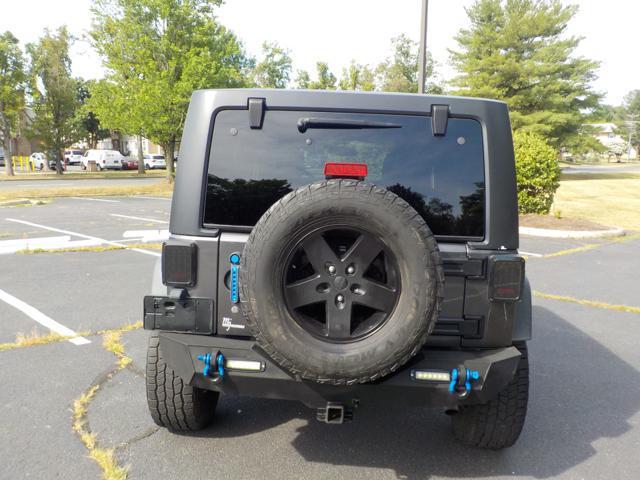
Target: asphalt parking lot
583,419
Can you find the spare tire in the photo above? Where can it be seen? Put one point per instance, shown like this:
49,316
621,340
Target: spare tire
341,282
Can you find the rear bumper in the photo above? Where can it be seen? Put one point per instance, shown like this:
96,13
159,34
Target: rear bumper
496,368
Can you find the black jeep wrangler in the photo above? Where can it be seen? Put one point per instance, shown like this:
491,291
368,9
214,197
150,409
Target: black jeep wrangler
343,249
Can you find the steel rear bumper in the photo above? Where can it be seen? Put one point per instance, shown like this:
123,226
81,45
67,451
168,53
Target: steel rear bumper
496,368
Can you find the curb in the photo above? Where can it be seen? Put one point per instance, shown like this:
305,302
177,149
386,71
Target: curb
545,232
15,203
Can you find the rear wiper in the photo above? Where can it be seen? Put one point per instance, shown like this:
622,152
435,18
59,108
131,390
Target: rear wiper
332,123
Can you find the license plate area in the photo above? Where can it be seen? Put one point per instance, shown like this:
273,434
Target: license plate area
191,315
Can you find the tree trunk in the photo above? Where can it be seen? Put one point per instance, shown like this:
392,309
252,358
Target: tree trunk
169,149
140,156
59,162
8,155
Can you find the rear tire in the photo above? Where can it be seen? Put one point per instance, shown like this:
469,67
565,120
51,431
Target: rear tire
172,403
497,424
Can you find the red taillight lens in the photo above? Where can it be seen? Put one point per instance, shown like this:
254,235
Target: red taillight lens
179,264
345,170
506,278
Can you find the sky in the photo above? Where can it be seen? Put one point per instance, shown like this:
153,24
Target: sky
337,31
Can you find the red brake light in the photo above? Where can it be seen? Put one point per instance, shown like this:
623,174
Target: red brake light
345,170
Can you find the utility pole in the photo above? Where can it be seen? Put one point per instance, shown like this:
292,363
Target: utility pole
422,57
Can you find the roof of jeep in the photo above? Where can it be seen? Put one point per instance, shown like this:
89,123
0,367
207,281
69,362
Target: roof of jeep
332,99
294,91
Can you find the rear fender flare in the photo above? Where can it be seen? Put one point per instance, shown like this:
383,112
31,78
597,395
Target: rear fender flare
522,327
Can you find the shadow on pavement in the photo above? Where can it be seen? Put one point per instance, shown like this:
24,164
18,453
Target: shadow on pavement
581,392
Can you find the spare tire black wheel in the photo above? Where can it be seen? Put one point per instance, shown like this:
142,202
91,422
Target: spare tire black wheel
341,282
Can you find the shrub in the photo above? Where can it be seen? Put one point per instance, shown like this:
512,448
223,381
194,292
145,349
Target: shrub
537,172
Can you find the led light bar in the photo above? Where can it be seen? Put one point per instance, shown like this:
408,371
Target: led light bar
243,365
431,375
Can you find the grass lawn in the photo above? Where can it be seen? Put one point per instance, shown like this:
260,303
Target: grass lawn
612,200
81,175
162,188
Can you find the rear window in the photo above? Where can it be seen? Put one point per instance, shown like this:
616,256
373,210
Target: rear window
441,177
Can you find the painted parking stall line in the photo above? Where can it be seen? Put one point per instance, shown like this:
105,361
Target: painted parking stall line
146,235
151,198
144,219
96,199
82,235
48,243
530,254
42,319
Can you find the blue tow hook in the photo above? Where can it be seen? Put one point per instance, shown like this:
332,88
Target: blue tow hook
218,363
461,378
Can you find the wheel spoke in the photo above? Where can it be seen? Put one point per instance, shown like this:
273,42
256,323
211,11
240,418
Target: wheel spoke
363,251
376,296
304,292
338,320
318,252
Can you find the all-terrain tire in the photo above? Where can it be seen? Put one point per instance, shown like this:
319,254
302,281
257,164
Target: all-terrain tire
347,203
172,403
498,423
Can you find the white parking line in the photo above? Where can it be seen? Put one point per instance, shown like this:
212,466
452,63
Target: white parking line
96,199
42,319
150,198
147,235
138,218
81,235
530,254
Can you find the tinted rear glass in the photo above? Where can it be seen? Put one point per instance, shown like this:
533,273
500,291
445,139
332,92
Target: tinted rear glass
441,177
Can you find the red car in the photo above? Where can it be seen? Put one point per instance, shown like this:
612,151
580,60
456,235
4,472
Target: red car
129,164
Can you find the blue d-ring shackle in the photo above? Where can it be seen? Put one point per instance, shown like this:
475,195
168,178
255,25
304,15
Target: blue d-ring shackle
217,363
470,375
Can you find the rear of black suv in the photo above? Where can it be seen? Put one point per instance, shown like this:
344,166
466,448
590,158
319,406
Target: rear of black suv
343,249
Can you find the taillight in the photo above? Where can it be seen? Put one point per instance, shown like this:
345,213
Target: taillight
506,277
179,265
345,170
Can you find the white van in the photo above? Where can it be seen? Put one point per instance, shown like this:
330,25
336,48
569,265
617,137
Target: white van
105,159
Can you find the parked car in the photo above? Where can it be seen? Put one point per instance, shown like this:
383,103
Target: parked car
105,159
129,163
73,157
310,259
38,160
152,161
2,162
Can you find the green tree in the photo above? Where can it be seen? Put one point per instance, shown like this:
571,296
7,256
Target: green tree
157,52
357,77
518,51
12,91
89,122
537,172
274,70
399,73
628,121
325,80
303,79
54,93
